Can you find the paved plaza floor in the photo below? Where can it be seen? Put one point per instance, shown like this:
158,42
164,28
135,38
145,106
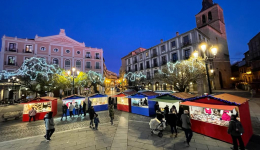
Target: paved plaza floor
129,132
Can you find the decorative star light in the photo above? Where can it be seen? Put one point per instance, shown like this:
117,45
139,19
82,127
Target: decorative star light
134,76
32,67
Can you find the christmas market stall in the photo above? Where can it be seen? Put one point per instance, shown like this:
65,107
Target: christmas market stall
139,102
42,105
73,99
210,115
123,102
163,100
183,95
99,102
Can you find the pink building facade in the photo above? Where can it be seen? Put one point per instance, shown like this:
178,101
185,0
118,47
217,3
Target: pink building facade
57,49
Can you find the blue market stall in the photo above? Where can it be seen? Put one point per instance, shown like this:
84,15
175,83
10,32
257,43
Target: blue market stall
99,102
73,99
139,102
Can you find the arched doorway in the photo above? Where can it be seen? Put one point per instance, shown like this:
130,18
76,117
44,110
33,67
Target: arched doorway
157,86
164,87
150,86
220,80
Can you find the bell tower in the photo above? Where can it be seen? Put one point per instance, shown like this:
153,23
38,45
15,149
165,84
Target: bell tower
211,15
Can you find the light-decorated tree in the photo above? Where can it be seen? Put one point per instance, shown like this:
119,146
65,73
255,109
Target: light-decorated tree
134,79
94,79
182,73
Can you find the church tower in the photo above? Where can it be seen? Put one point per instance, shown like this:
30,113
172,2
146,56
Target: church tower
210,21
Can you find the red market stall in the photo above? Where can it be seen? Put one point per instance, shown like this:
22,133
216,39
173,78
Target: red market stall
42,105
210,115
123,102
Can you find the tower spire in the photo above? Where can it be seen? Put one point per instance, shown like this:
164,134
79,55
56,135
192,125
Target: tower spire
206,4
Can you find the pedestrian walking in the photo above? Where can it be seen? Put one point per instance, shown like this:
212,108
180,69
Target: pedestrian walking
186,125
111,113
71,107
64,111
172,121
49,125
80,109
91,116
96,121
76,109
166,112
32,114
159,115
181,111
84,108
235,129
156,107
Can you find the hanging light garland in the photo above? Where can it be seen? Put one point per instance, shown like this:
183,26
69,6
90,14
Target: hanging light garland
134,76
32,67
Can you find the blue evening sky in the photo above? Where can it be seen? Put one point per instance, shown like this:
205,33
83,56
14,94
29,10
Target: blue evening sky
121,26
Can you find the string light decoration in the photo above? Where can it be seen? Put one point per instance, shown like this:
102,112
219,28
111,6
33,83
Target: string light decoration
95,77
32,67
134,76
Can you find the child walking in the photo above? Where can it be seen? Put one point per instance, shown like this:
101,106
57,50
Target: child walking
96,121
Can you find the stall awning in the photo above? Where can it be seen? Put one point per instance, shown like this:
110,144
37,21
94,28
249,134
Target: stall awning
165,98
73,97
183,95
231,98
138,96
222,107
98,96
37,101
119,95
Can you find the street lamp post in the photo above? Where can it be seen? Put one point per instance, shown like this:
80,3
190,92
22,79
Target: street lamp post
73,76
206,60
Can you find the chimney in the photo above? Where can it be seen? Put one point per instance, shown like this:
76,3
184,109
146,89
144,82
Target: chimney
177,34
161,40
62,32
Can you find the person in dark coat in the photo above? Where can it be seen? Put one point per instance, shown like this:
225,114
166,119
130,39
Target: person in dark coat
109,101
80,109
172,121
64,111
235,134
84,108
91,116
159,115
166,112
181,111
156,107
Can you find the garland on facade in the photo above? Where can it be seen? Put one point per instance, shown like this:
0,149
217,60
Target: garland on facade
134,76
32,67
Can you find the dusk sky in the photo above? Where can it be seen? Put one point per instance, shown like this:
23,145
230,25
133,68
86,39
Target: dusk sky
121,26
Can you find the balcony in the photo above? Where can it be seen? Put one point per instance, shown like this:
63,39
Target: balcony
88,56
11,64
97,67
186,43
88,67
27,51
154,55
148,67
97,57
11,50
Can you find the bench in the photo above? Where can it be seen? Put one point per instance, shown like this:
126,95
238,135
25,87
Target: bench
14,114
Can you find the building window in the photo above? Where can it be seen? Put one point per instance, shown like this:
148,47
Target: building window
128,61
88,65
163,48
186,39
210,16
43,48
154,52
97,65
173,43
67,63
147,65
146,54
78,52
141,66
97,56
55,61
135,60
187,54
135,67
12,47
141,56
88,55
203,19
174,57
155,63
55,49
28,48
11,60
164,61
148,75
67,51
129,69
78,64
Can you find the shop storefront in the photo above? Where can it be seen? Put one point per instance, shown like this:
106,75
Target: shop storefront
73,99
211,115
163,101
123,102
43,105
99,102
139,102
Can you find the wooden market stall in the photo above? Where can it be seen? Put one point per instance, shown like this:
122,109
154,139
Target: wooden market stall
163,100
42,105
210,115
73,99
139,102
123,102
98,101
